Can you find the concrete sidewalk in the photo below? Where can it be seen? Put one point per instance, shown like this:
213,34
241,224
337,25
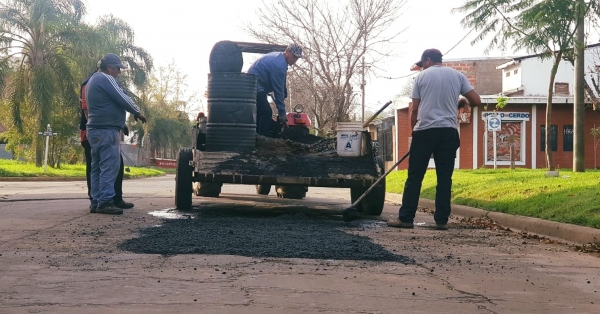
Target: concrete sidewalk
563,231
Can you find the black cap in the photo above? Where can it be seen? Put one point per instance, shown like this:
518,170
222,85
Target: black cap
433,54
112,59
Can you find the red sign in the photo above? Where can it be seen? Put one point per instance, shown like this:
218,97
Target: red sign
165,163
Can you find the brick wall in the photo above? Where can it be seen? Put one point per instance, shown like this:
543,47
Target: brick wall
562,114
403,133
468,68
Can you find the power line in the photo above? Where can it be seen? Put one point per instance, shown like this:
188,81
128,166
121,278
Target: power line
460,41
414,73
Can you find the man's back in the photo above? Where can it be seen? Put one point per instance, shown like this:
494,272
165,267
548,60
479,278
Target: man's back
438,88
269,68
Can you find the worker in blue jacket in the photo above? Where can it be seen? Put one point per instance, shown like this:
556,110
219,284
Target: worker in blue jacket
107,105
272,74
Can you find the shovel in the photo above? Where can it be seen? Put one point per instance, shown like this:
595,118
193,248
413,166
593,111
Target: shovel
366,124
351,213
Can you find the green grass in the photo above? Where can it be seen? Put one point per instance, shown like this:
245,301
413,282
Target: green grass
11,168
573,197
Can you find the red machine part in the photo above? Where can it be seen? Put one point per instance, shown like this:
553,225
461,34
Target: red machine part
299,119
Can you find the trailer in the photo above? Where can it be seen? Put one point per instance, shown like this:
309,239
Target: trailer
285,164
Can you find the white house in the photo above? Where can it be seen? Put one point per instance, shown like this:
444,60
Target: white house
530,75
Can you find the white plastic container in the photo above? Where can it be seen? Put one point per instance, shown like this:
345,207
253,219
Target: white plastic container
350,139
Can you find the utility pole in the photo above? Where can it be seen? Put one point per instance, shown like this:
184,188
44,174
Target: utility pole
579,105
362,87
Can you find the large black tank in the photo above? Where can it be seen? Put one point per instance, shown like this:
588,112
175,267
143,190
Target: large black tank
231,112
225,56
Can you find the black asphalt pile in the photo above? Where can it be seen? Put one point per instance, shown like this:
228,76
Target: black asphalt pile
300,135
278,157
253,235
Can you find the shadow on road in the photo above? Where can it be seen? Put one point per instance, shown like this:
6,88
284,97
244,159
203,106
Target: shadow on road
259,233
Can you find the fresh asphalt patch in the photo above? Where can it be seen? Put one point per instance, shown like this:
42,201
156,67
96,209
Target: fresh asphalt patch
259,234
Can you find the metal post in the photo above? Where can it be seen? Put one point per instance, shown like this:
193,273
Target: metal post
495,152
48,130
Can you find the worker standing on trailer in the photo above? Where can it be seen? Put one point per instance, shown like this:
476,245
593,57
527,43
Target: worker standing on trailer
434,124
272,75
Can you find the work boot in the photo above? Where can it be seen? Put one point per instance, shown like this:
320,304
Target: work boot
109,209
396,223
93,208
441,226
123,205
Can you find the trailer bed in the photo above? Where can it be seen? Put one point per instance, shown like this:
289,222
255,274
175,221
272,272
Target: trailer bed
324,169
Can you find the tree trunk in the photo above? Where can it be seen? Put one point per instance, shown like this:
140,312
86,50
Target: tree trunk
579,105
549,161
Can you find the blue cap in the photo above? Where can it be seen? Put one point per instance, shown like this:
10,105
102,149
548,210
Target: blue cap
112,59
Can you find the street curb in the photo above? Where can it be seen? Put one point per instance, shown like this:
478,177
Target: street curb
63,179
40,179
564,231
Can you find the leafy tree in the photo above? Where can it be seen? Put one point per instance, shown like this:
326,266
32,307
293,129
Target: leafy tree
169,108
544,27
49,51
36,34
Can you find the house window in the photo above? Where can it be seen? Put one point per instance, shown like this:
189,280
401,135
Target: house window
568,138
553,137
507,73
512,134
516,71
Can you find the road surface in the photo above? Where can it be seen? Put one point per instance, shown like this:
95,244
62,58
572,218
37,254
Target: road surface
244,253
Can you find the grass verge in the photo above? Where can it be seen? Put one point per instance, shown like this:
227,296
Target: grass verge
12,168
572,197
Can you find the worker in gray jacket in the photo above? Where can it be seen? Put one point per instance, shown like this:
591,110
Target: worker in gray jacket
107,106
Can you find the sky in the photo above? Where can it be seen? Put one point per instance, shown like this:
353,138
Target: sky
184,31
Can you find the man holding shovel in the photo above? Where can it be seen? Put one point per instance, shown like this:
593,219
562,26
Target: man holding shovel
434,124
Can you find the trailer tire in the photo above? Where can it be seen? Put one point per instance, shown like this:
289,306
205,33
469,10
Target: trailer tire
263,189
373,202
183,179
355,193
291,191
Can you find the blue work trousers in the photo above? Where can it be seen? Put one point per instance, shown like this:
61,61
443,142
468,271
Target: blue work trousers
264,115
106,162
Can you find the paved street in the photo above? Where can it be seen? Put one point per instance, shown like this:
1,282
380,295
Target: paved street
244,253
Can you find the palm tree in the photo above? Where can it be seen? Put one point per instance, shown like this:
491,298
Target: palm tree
36,35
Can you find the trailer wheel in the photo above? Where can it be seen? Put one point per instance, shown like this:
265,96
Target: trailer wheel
291,191
183,179
263,189
373,202
209,189
355,193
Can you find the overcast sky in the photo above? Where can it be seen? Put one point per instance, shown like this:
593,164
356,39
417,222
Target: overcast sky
184,31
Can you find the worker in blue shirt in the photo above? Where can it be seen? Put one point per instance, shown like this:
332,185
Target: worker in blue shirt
272,74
